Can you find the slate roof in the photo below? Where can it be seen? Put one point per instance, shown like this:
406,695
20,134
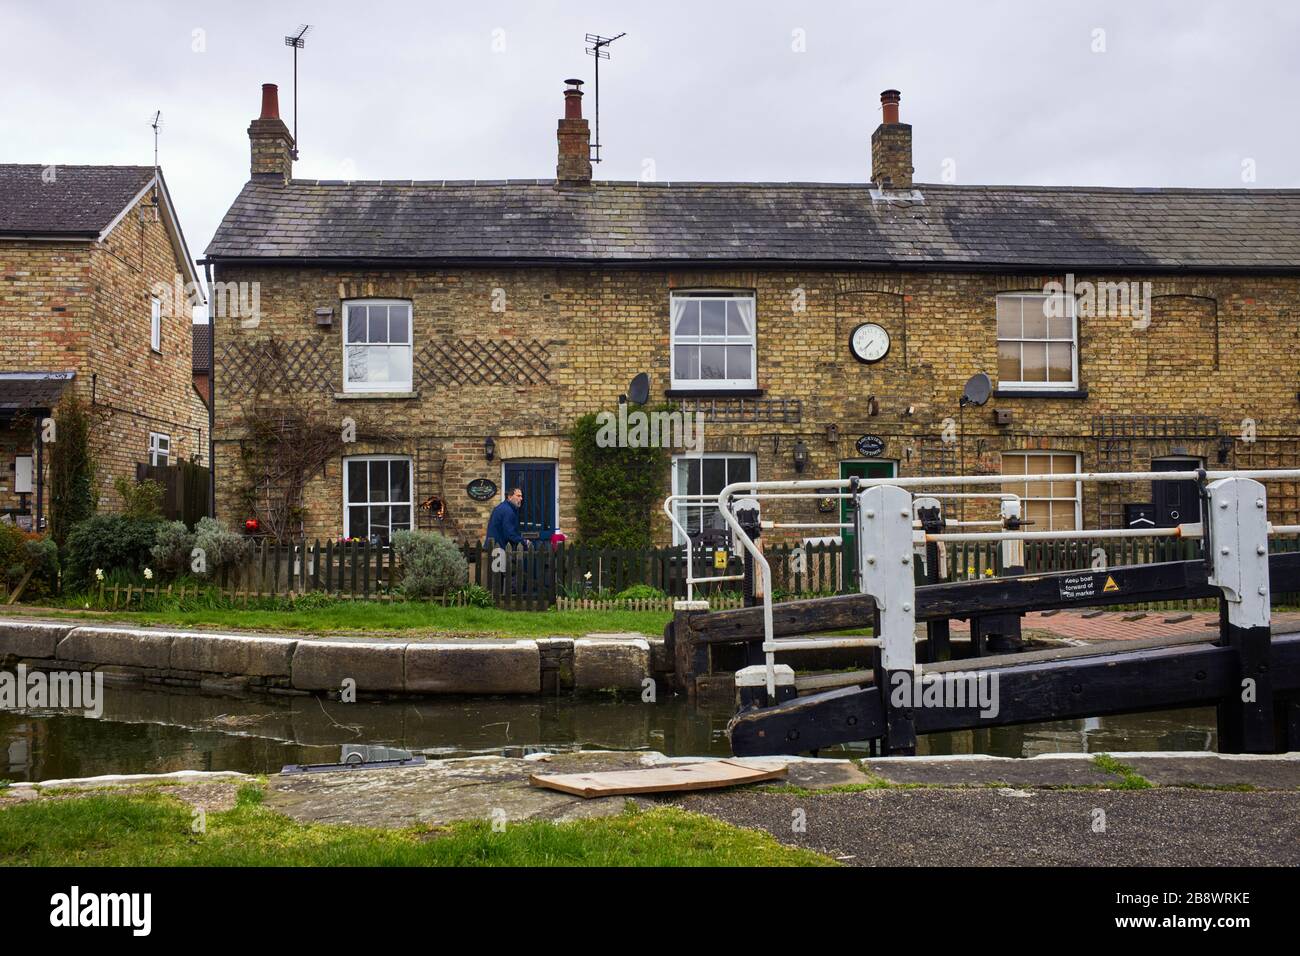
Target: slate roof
973,227
25,391
78,202
202,338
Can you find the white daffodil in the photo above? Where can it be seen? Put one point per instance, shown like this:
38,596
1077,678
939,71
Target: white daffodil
99,574
148,574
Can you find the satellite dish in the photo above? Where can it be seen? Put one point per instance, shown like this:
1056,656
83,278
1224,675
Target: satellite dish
639,391
977,391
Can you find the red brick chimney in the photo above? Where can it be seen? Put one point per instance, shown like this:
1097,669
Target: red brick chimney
270,141
891,146
574,138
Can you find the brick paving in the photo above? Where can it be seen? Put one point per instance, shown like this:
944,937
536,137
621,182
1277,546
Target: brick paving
1113,626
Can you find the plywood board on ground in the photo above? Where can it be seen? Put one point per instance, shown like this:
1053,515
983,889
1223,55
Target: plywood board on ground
689,776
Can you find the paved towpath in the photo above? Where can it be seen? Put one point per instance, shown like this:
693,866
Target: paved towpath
1089,626
1064,811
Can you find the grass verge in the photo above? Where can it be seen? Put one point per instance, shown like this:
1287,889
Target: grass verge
394,618
154,829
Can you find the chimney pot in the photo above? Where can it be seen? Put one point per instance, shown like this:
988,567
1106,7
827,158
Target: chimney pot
270,102
889,104
574,139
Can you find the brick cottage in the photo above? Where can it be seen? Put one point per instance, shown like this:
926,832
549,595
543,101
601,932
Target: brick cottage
94,281
819,329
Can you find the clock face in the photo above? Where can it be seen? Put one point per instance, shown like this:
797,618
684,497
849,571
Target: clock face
869,342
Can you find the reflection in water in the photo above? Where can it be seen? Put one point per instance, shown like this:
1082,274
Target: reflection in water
149,730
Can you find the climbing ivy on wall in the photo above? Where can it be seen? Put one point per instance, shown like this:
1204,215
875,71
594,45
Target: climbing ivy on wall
619,488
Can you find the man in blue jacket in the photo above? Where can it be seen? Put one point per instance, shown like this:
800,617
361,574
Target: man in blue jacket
503,526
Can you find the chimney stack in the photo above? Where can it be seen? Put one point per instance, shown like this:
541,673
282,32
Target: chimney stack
269,139
891,146
574,138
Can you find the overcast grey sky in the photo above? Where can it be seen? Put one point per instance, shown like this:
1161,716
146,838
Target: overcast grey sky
1167,94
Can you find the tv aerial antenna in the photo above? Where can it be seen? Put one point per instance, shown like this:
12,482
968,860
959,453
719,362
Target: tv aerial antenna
599,50
298,42
156,124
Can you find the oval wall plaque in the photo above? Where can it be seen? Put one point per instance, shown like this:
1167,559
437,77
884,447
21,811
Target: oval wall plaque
870,446
482,489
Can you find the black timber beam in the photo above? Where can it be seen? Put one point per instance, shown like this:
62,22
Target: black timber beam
1132,584
1164,678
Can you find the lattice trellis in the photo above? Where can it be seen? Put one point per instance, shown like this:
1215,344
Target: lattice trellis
483,362
299,365
1264,453
1128,443
788,411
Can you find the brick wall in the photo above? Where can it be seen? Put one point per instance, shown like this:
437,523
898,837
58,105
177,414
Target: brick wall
85,307
1217,351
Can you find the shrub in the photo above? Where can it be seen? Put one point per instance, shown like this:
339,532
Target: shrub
12,552
72,468
42,555
641,592
431,563
618,488
221,547
475,595
172,547
110,543
141,500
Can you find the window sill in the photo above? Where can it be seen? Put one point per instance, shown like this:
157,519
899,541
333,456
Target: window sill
375,396
1040,393
713,393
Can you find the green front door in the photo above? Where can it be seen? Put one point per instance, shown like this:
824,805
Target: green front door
862,468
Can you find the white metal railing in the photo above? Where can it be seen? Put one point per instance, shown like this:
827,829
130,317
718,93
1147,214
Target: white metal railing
790,488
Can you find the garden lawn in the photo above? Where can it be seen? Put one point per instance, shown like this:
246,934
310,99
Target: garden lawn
384,617
150,828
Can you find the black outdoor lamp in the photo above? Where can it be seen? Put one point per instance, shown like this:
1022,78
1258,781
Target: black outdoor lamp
800,456
489,447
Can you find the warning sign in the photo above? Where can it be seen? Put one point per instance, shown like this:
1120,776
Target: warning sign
1080,587
1110,584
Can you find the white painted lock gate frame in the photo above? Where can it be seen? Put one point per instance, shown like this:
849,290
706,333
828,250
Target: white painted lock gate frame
886,537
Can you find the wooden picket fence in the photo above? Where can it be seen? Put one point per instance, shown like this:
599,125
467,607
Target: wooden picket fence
580,577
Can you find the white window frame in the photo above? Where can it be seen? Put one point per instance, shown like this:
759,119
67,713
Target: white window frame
379,387
348,504
681,508
751,340
1070,306
155,324
160,448
1021,484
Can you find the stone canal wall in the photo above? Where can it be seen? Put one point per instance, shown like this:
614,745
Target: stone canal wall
304,664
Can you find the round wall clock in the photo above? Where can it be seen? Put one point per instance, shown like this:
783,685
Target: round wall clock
869,343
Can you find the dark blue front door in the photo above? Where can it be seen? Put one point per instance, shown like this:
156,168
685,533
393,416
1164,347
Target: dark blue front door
537,479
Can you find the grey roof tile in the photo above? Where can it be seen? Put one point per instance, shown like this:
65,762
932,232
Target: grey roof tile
70,200
963,226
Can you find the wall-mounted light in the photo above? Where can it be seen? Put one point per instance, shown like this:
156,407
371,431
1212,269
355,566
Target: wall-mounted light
833,434
1225,449
489,447
800,456
873,406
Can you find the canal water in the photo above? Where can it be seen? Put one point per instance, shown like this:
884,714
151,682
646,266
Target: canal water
155,730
